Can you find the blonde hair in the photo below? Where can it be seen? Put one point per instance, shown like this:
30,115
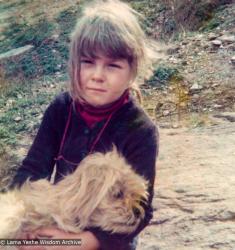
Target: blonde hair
111,28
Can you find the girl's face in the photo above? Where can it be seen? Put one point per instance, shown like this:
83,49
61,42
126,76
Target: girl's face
103,80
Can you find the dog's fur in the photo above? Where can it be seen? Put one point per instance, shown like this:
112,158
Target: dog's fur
103,191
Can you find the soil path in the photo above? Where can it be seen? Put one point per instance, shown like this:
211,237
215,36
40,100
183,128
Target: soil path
195,191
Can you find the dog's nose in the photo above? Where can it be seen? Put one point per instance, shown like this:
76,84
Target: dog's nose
136,212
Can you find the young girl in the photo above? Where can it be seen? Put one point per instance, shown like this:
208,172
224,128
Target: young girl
108,54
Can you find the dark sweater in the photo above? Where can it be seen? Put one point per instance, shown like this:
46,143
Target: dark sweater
129,128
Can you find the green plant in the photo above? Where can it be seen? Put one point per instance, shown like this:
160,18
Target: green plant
212,24
161,75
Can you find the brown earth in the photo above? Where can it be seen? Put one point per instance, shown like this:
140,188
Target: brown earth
194,191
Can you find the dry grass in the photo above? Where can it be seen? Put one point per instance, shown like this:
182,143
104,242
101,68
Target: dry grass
192,14
33,10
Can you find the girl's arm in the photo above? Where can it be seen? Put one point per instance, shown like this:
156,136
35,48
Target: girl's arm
39,161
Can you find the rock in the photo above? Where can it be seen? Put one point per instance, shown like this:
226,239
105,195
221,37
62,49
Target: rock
39,117
212,36
198,37
17,119
173,50
173,60
196,87
233,60
185,42
166,112
216,43
230,116
55,37
227,39
217,106
10,102
196,96
16,52
231,46
175,126
215,85
58,74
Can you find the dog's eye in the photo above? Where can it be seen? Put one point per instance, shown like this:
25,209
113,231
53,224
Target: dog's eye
119,195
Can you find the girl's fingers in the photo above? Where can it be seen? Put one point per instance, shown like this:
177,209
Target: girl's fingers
50,232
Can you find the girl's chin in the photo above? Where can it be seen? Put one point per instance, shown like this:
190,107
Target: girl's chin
97,103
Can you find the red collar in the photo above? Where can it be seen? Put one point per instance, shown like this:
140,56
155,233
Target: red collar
92,115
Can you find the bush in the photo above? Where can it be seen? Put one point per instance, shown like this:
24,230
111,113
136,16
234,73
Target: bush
162,75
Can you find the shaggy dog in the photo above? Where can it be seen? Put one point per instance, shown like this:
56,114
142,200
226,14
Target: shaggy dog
103,191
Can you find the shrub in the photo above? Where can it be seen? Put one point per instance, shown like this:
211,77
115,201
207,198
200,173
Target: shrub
161,75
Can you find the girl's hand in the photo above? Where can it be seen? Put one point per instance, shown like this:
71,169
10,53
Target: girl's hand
88,240
53,233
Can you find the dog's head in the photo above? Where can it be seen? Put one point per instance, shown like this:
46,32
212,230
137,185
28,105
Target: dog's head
110,194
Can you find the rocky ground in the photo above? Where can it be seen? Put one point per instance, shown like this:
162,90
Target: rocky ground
195,190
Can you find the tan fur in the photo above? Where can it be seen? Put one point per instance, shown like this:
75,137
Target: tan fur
103,192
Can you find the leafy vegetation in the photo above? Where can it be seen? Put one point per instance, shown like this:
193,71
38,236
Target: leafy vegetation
161,76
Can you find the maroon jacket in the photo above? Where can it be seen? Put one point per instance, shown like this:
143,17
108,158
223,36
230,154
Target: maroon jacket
65,139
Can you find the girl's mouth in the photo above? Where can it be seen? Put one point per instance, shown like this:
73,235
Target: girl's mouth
97,90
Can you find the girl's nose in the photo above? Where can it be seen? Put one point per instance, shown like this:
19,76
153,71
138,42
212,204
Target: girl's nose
98,73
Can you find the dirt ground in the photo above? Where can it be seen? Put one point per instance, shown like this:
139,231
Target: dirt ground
195,190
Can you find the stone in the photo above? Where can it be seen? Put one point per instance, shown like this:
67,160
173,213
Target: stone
175,125
173,50
166,112
55,37
16,52
212,36
196,86
198,37
233,60
17,119
227,39
229,116
10,102
216,43
217,106
173,60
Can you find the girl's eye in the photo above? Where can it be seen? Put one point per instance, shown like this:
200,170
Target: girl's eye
87,61
113,65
